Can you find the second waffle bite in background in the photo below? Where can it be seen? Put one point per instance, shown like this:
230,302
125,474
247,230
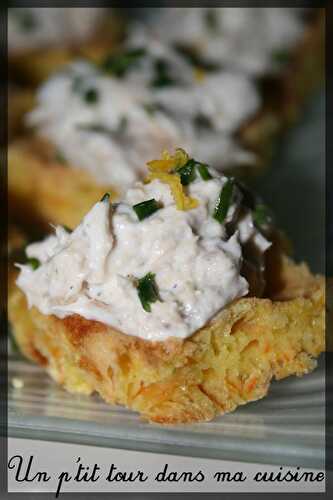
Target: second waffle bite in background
97,123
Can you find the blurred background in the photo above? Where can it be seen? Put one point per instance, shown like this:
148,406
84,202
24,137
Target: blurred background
290,178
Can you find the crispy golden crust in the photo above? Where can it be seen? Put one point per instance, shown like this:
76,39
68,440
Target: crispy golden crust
229,362
41,189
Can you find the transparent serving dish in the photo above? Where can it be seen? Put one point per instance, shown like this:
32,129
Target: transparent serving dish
286,428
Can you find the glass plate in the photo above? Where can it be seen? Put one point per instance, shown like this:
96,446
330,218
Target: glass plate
286,428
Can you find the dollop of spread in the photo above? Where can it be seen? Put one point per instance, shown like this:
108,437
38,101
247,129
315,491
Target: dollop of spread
146,267
111,118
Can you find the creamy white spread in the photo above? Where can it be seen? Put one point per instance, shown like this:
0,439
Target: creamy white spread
243,38
35,27
130,121
196,261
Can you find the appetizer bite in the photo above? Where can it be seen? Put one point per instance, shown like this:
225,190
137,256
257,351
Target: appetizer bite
108,118
178,302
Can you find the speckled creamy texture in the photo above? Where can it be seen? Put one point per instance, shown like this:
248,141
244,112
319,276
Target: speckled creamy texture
114,137
91,271
36,27
244,38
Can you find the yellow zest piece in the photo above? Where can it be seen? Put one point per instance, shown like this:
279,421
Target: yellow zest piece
169,162
161,170
183,202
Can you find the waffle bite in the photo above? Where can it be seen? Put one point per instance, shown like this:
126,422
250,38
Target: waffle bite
179,302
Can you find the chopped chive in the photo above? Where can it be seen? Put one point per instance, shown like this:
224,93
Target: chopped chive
33,262
187,172
162,76
105,198
281,56
146,208
224,201
147,291
91,96
119,64
261,215
67,229
204,172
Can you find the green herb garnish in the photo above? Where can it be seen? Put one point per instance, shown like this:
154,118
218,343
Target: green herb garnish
187,172
204,172
67,229
105,198
146,208
91,96
33,262
162,76
281,56
261,215
224,201
119,64
147,291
